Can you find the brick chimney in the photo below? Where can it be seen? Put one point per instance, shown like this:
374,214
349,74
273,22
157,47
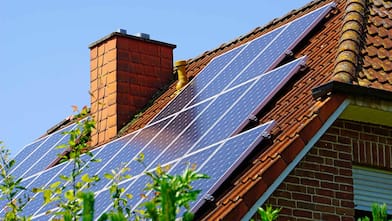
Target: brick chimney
125,71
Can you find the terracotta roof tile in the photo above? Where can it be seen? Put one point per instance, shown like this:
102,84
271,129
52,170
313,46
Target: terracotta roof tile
350,42
381,3
231,212
325,108
251,175
263,174
309,127
291,148
377,54
379,21
250,197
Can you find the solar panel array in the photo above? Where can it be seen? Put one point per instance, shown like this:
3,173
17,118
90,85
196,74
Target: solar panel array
245,62
201,125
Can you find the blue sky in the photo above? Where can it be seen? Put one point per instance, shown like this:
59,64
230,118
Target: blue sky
44,56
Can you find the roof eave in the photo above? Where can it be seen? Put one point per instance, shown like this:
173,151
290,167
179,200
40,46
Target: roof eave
351,90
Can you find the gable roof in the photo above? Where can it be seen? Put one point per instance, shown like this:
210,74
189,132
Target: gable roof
352,45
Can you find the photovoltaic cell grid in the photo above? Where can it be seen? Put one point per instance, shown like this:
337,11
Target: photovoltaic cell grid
38,155
229,112
166,141
201,130
208,161
250,60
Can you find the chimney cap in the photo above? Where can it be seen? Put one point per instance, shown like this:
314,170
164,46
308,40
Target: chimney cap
121,34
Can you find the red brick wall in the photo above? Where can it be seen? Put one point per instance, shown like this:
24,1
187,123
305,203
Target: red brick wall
103,88
125,73
320,187
372,145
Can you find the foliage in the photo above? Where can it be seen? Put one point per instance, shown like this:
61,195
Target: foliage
268,214
171,193
11,187
379,213
70,197
88,206
121,210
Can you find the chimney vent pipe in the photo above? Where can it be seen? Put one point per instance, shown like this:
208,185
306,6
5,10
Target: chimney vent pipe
143,35
122,31
182,77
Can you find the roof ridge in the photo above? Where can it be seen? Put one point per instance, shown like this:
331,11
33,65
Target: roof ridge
256,30
350,42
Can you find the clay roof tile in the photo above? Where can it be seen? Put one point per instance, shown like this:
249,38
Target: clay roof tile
350,41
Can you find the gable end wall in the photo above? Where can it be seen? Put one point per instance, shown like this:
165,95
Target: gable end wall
321,186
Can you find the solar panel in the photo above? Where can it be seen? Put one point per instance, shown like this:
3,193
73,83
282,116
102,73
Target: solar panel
198,83
226,158
229,112
42,155
193,132
291,35
131,150
236,116
43,179
217,160
40,181
27,150
106,156
256,97
258,56
241,62
48,178
47,158
103,153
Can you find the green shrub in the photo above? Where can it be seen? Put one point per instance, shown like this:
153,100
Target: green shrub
379,213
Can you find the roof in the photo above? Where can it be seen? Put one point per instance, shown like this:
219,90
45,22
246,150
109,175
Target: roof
352,45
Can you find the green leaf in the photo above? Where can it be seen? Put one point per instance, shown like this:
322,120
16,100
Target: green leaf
47,196
86,178
55,185
62,146
187,216
11,163
88,206
104,217
109,176
127,176
69,195
96,160
140,158
63,177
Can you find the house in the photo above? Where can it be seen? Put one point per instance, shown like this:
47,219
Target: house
328,155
